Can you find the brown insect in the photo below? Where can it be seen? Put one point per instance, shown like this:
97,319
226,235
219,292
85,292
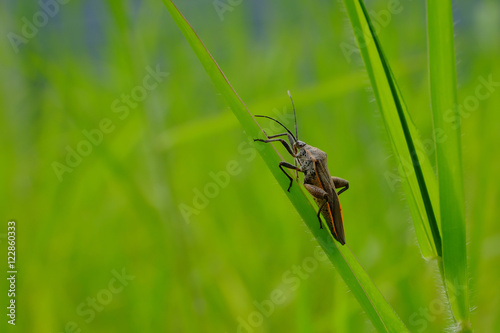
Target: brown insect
317,179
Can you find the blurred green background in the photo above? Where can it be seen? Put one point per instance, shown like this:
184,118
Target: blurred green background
117,239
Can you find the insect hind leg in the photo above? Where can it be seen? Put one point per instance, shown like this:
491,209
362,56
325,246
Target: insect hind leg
318,193
339,182
319,213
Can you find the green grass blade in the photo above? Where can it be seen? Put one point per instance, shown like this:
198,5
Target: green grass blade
449,160
415,170
373,303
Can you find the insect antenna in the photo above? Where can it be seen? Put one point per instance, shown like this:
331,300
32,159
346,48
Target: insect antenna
260,116
295,115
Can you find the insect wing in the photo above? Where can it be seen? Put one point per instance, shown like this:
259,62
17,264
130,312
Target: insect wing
334,209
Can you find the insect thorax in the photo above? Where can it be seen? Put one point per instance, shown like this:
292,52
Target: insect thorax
306,156
305,162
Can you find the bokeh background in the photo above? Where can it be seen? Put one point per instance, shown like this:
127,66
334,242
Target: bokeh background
128,207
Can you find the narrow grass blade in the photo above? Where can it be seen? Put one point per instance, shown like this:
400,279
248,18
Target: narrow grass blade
449,160
373,303
415,169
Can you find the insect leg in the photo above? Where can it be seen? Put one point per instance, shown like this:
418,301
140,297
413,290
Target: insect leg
296,171
319,212
276,135
290,138
318,193
339,182
285,144
292,143
289,166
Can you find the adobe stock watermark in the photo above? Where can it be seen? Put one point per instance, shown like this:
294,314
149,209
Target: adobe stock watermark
31,26
121,107
483,90
222,6
379,19
290,282
419,320
92,305
220,180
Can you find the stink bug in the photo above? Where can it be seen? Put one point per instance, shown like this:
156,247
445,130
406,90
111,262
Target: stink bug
317,179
